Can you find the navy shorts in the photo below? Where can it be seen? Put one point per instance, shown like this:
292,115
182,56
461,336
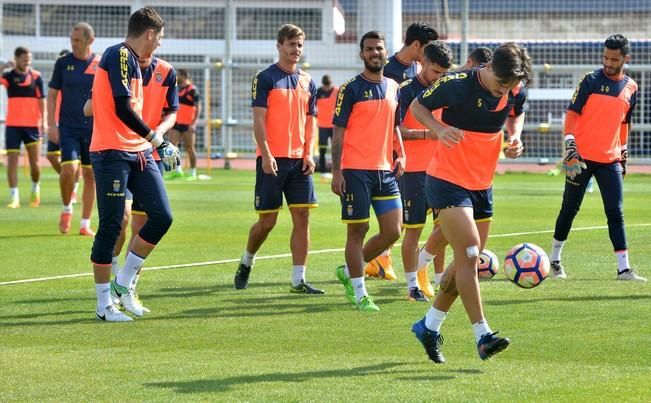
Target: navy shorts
53,148
325,134
414,202
297,187
15,135
366,188
181,128
136,206
115,171
74,145
443,194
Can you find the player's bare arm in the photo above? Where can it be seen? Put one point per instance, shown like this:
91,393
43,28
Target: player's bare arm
308,158
448,135
269,165
52,129
514,125
338,184
400,162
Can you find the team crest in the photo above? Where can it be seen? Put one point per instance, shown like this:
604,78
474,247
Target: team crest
116,185
349,210
158,77
257,201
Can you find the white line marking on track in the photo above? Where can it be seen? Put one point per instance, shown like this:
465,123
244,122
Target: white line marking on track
284,255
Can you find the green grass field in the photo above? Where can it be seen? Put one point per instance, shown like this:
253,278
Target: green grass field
584,339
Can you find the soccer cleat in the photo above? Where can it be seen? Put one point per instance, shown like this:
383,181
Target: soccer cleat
366,304
242,276
191,177
174,175
557,270
489,345
112,314
424,283
136,298
432,341
86,232
381,267
128,300
35,199
416,295
65,220
15,203
305,288
630,275
348,285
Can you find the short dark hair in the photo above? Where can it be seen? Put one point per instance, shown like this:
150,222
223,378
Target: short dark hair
370,35
20,50
481,55
289,31
421,32
325,80
64,52
142,20
183,72
618,41
510,63
439,52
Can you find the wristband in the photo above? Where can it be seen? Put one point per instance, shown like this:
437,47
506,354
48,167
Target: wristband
157,140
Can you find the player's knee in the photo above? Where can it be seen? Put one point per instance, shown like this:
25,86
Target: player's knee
358,230
392,234
267,222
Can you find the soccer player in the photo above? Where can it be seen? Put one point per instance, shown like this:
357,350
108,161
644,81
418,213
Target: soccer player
283,102
596,132
159,108
326,96
186,121
479,56
403,65
26,120
366,135
121,157
459,179
72,80
418,150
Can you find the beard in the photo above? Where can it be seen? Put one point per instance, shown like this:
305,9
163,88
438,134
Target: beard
373,68
613,71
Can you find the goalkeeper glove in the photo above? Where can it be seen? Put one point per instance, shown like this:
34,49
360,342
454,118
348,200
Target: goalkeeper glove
624,159
169,154
573,164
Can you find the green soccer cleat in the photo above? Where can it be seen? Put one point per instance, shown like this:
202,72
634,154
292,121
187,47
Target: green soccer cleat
348,285
366,304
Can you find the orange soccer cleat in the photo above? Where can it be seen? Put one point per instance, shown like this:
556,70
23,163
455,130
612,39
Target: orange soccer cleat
381,267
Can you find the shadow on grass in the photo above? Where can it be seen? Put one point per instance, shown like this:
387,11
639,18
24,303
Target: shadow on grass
587,298
41,319
28,236
227,384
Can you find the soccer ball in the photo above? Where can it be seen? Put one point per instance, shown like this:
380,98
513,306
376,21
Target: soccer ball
488,265
527,265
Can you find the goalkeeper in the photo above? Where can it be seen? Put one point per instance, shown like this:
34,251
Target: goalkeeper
596,130
121,156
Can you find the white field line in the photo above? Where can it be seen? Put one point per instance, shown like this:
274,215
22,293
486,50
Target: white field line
285,255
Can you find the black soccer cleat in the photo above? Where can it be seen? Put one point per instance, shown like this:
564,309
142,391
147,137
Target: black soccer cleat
432,341
305,288
242,276
489,345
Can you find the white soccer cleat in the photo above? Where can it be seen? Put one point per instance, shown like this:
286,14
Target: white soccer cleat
630,275
112,314
128,298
